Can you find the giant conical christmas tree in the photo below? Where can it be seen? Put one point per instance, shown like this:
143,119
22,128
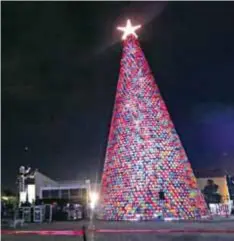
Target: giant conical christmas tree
146,171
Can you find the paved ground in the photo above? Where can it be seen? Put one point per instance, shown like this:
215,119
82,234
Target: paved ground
221,223
124,237
134,236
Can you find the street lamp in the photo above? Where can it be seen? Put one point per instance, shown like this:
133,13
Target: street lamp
93,199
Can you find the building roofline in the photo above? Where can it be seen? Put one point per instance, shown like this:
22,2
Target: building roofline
206,173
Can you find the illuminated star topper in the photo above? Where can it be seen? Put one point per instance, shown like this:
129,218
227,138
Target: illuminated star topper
128,29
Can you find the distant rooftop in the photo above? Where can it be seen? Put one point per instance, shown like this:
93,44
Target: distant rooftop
203,173
64,182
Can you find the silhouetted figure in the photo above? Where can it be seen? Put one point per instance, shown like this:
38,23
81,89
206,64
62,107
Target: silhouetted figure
211,192
84,233
161,195
37,201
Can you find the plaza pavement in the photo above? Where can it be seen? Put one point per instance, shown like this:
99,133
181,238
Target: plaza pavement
120,231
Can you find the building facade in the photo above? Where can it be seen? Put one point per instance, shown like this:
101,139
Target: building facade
36,185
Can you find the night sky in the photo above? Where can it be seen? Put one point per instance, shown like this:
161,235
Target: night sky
60,66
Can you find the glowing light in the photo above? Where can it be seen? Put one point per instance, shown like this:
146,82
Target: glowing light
137,123
22,197
93,199
129,29
31,193
5,198
127,106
